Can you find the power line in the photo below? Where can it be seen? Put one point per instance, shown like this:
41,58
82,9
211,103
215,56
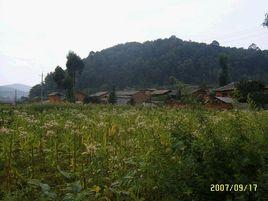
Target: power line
242,37
227,34
236,35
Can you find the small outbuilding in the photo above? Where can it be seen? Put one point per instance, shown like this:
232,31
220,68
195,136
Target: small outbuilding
160,95
100,97
80,96
55,97
217,102
132,97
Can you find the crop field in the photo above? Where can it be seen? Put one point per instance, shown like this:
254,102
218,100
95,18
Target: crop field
105,152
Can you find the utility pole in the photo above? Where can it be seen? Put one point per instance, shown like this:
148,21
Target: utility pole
74,86
15,97
42,88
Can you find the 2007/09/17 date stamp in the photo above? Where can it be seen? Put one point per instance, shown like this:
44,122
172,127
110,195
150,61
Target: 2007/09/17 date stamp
233,187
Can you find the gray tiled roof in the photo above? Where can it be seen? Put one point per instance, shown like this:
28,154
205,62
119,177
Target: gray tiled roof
55,94
230,86
160,92
225,99
98,94
126,93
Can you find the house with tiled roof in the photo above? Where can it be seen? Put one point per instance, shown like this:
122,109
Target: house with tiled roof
226,91
132,97
100,97
55,97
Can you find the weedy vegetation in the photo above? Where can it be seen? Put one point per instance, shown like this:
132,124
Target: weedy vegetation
107,152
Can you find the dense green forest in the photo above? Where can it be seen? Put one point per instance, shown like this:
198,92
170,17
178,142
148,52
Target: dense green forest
150,64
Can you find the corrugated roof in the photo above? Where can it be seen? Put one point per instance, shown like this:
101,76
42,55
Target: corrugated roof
160,92
55,94
173,92
225,99
230,86
98,94
126,93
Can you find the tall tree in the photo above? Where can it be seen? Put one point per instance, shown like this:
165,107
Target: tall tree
49,85
265,23
112,96
224,75
253,46
215,43
179,85
35,91
251,91
74,64
59,76
68,85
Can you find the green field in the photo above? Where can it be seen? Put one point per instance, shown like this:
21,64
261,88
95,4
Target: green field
76,152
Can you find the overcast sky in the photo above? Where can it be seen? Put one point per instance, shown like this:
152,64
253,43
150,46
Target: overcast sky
36,35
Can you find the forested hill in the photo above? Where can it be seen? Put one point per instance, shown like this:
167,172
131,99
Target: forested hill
152,63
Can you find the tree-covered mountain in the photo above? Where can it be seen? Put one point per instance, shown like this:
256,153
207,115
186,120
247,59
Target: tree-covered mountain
151,64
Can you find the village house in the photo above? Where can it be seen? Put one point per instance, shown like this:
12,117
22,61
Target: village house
176,97
80,96
225,91
132,97
266,89
219,102
55,97
199,93
160,95
196,92
174,94
100,97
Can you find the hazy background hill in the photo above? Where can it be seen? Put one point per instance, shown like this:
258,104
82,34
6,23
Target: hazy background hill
7,92
150,64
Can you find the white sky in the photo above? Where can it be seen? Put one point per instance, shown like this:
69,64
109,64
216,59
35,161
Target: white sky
36,35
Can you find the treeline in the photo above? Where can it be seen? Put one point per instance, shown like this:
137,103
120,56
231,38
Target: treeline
152,63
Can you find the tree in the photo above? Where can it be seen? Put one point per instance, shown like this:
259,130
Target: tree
249,91
215,43
35,91
253,46
74,64
112,96
180,86
68,85
265,23
59,76
224,75
153,62
183,91
50,85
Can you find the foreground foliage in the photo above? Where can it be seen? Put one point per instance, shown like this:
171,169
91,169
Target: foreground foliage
72,152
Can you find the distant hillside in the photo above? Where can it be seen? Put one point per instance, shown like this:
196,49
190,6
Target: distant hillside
152,63
20,87
7,92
